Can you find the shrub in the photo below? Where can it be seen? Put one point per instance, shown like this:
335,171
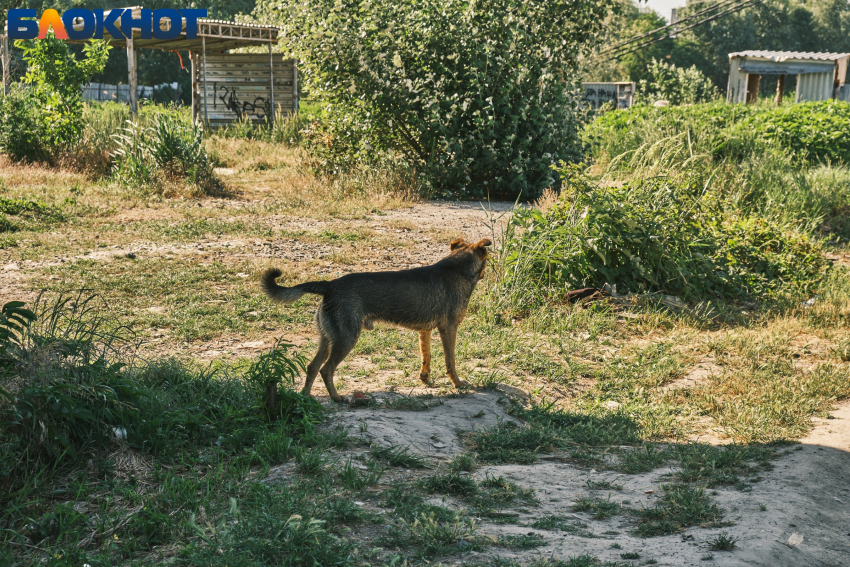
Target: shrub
477,96
63,393
676,85
168,150
48,116
811,131
657,234
21,133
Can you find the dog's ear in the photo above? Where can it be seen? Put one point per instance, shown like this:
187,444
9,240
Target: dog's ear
482,243
456,244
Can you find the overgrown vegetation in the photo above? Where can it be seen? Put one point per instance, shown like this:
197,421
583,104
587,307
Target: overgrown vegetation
477,98
45,119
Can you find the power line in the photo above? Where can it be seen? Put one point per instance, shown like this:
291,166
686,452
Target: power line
717,6
736,8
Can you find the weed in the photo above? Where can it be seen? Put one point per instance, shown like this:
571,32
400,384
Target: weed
397,457
431,536
497,492
312,462
722,542
509,443
356,479
641,460
451,483
564,524
462,463
602,485
523,542
680,507
599,509
630,555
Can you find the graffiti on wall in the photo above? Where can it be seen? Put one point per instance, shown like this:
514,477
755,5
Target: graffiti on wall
258,109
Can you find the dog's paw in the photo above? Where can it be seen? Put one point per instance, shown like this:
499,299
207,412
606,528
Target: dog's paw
426,378
463,385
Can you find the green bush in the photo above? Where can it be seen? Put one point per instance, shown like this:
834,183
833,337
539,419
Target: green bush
46,119
657,234
479,96
676,85
21,133
811,131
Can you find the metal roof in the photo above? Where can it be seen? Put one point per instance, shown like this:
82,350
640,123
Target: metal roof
781,56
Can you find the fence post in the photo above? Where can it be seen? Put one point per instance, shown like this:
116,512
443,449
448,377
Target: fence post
134,80
204,78
5,56
295,85
271,81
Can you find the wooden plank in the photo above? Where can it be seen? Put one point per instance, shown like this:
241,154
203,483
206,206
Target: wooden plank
134,78
6,62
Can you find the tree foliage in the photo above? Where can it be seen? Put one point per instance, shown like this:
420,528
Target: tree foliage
479,95
46,118
780,25
676,85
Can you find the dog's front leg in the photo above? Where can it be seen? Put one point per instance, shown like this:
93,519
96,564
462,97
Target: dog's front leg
448,335
425,347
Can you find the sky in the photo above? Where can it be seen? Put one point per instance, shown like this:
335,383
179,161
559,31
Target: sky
663,7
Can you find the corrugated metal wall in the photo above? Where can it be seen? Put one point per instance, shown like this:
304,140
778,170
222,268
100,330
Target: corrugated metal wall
814,86
238,84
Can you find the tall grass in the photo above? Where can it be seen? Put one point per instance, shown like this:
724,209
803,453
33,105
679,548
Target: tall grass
757,172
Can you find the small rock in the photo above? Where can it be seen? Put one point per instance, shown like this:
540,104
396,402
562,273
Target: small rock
130,255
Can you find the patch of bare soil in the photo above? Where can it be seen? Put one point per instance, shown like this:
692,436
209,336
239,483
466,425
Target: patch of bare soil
797,515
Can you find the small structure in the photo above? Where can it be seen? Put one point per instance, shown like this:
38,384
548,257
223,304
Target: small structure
224,86
820,76
621,95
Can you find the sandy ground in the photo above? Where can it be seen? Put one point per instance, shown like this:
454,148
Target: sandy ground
806,497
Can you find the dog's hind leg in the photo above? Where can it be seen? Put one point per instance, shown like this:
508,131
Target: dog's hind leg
448,335
316,363
425,347
340,347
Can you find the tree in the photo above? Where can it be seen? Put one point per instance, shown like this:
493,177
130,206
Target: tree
47,118
477,95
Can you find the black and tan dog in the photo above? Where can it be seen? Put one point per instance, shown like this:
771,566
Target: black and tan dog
421,299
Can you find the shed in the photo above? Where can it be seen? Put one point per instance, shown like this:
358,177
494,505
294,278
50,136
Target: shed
820,76
225,86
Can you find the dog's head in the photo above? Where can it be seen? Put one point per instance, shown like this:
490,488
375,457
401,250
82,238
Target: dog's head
473,256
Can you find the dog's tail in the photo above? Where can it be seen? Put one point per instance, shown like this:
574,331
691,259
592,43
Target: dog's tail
289,294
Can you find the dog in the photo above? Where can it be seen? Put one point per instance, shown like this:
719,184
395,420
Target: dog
420,299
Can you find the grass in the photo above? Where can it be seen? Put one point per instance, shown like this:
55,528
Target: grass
604,379
722,542
563,524
681,506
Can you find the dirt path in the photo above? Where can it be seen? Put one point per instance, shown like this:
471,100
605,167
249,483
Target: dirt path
797,515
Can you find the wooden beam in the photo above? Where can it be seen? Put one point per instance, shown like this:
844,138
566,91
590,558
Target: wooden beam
780,86
204,72
134,77
271,81
295,85
6,56
195,99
